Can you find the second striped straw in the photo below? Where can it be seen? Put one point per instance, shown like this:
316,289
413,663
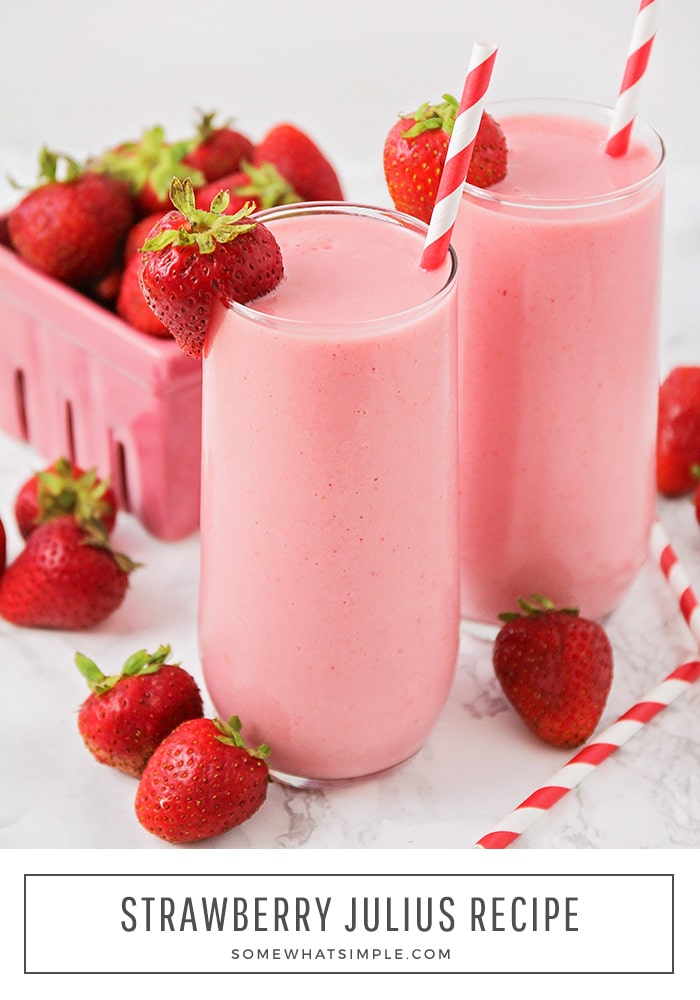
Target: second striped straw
635,67
459,154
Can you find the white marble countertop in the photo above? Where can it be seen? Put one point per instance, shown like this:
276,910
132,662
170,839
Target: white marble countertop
479,763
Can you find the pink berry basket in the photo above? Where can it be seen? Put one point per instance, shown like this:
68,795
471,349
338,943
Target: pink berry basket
75,380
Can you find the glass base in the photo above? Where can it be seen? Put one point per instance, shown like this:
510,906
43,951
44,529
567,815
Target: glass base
487,631
297,781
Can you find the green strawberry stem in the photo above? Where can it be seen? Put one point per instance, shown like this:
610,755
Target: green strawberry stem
138,664
206,126
152,161
49,169
230,734
268,185
206,228
535,605
60,492
433,116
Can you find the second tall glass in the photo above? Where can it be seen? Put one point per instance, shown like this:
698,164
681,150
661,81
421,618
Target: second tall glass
559,311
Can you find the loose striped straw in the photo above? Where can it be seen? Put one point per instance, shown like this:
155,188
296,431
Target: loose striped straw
459,154
627,725
665,555
635,68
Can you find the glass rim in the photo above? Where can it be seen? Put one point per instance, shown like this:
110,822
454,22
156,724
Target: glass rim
390,215
553,105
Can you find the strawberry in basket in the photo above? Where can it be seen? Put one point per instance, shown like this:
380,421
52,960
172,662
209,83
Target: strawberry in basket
218,150
71,227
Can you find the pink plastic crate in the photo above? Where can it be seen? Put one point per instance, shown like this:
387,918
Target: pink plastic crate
77,381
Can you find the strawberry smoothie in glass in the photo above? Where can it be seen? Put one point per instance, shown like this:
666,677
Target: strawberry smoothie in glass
559,310
329,603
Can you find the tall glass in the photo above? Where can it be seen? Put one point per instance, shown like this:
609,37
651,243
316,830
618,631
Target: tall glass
329,604
559,309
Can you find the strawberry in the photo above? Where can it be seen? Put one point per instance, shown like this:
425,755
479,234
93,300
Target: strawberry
131,304
65,488
66,577
147,166
71,228
3,548
300,161
263,187
201,781
127,715
106,289
193,255
555,668
218,150
415,150
678,431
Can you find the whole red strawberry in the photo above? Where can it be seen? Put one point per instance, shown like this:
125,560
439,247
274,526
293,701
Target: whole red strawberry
201,781
65,488
129,714
301,162
678,431
66,577
147,167
415,150
218,150
263,187
71,228
555,669
194,255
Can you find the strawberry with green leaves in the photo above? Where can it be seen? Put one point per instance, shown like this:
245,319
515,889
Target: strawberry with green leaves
201,782
415,150
194,256
67,576
71,225
300,161
65,488
218,150
127,715
262,186
555,668
147,166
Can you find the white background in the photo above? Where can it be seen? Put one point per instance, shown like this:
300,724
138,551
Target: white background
80,76
83,75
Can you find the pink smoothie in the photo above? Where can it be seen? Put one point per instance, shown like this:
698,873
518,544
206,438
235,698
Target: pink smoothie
329,608
559,307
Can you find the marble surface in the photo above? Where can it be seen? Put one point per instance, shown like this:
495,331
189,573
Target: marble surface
479,763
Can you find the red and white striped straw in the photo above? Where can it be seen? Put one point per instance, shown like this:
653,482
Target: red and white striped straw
677,578
628,98
459,154
628,725
590,757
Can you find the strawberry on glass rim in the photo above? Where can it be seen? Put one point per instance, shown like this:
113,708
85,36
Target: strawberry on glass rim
193,256
416,147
